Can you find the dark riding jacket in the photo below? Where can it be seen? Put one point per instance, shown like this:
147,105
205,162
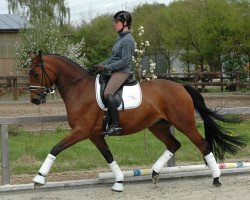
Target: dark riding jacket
121,55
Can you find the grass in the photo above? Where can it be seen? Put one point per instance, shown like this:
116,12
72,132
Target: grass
28,150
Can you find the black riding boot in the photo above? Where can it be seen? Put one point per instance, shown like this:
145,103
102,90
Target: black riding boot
114,128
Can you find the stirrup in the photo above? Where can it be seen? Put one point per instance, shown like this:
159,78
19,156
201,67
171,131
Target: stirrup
112,130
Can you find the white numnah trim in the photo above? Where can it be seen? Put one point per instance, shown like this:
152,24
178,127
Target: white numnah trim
132,96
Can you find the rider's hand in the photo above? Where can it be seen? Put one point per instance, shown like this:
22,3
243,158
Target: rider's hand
99,68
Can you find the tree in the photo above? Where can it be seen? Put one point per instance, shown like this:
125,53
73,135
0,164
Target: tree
46,36
243,28
198,32
158,30
55,10
99,38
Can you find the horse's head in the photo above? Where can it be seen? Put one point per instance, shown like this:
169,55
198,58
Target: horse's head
41,78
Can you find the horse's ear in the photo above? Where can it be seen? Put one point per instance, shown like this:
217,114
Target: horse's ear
40,54
31,54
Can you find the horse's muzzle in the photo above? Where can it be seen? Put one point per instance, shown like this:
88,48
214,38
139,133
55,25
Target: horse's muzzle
38,101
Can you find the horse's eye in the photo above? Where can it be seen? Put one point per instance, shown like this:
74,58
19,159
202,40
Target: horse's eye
36,75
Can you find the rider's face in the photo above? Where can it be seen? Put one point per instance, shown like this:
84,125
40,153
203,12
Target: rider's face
118,25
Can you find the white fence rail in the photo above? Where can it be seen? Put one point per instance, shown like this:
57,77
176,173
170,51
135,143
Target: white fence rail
4,123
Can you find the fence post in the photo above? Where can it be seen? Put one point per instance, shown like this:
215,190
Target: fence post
5,154
237,80
171,162
221,81
9,82
15,88
196,79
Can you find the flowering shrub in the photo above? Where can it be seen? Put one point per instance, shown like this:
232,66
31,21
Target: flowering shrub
137,58
74,53
47,38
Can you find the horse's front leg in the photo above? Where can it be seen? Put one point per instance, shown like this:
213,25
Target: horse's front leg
102,146
73,138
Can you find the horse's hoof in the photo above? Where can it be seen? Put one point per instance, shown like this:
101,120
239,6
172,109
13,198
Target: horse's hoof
155,177
216,182
39,180
38,185
118,187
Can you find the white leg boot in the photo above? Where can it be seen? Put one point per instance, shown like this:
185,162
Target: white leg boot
44,170
119,177
159,164
214,169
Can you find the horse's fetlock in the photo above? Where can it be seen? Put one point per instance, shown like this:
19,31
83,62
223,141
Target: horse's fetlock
216,182
155,177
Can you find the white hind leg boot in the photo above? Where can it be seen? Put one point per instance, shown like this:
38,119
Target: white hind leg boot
213,166
162,161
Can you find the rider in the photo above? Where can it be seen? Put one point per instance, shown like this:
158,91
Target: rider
119,65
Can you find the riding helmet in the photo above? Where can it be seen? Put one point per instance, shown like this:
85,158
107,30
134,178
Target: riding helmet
123,16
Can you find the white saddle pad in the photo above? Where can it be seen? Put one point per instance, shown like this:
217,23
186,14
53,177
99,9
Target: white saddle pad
131,95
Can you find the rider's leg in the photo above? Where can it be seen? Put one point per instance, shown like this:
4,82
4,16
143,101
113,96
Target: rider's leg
115,82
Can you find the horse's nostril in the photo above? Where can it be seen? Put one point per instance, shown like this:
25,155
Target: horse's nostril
35,101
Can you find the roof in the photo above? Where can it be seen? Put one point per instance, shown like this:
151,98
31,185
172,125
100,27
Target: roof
11,23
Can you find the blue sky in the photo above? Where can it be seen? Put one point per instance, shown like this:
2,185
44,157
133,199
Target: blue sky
86,9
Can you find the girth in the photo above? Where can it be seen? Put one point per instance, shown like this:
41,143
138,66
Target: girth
103,80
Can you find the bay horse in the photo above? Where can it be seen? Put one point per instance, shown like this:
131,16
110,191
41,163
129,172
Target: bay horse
164,103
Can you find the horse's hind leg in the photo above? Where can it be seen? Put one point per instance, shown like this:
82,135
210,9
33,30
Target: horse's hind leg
162,131
188,127
102,146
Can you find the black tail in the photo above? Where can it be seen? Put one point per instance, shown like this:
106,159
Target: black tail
215,135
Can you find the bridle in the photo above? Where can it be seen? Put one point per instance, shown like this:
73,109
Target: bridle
46,81
47,85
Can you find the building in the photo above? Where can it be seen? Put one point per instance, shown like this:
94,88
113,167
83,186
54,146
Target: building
10,25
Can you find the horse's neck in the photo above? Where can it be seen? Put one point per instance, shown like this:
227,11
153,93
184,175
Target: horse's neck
73,85
69,76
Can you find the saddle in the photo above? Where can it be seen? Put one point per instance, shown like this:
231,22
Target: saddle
128,96
103,80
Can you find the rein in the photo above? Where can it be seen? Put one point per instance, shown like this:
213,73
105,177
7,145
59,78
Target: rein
66,84
47,89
